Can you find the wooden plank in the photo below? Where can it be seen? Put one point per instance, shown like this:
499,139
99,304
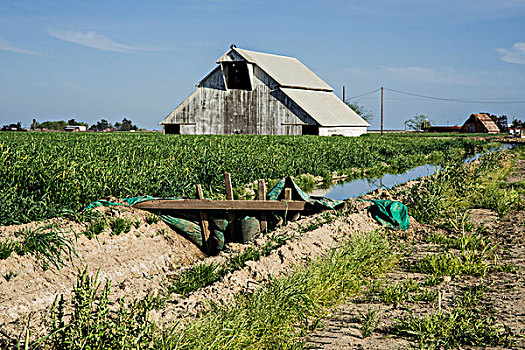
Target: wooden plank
262,197
234,205
231,215
205,225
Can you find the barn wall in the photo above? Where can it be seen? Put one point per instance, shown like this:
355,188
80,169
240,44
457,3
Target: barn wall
212,109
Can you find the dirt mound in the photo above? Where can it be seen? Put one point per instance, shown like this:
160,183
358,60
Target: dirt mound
135,262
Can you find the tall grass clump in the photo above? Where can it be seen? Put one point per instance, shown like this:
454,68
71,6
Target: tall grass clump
277,316
46,244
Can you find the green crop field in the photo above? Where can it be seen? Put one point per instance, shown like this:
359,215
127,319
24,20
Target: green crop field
45,174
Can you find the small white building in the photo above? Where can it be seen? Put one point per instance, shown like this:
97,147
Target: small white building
75,128
252,92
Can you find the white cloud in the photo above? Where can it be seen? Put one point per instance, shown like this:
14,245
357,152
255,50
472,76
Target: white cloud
95,40
4,46
515,55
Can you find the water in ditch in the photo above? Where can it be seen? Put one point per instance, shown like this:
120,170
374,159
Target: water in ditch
359,187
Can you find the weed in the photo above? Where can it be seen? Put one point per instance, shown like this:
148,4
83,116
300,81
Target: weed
433,280
10,275
449,264
88,321
369,321
194,278
120,225
6,249
136,223
46,245
95,229
151,219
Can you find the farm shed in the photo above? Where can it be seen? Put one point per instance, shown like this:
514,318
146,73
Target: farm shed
251,92
480,123
75,128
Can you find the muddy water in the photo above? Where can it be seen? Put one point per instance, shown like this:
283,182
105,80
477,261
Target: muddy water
359,187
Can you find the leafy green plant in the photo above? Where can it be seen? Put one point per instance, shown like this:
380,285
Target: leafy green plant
152,219
89,322
369,322
120,225
7,248
194,278
95,228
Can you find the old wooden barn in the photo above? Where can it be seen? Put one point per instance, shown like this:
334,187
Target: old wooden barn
252,92
480,123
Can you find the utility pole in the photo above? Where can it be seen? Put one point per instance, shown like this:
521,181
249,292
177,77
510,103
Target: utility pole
344,99
381,111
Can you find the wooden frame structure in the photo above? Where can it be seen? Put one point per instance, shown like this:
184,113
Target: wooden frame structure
229,205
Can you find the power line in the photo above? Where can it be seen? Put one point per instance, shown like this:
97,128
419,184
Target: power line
451,99
365,94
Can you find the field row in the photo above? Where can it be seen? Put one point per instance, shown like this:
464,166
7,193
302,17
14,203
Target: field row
45,174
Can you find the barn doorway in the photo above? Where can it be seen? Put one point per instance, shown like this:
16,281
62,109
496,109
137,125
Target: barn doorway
172,128
310,130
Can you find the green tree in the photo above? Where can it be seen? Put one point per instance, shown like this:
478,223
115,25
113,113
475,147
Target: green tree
363,113
101,125
126,125
74,122
419,123
53,125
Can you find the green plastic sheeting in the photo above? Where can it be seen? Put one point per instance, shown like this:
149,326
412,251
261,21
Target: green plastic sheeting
390,213
319,203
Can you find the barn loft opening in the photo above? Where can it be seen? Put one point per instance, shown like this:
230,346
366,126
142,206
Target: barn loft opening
238,75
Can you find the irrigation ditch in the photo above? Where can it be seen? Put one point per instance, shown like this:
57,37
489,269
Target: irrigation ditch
175,289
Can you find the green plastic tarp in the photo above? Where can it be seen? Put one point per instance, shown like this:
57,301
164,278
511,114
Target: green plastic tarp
390,213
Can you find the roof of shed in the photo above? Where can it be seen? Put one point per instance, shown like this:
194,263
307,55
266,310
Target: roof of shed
326,108
487,121
287,71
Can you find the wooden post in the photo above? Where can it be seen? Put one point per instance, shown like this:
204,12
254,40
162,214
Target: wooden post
229,196
205,225
344,97
288,194
262,197
381,111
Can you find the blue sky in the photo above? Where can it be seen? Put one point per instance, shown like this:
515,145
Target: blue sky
63,59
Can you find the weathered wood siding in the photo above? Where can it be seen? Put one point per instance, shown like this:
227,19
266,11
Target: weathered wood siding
212,109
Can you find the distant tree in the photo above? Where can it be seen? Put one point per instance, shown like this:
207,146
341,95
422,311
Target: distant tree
517,123
74,122
101,125
419,123
503,123
53,125
13,127
126,125
363,113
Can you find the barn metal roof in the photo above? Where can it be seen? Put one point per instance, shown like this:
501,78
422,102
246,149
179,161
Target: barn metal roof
287,71
326,108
